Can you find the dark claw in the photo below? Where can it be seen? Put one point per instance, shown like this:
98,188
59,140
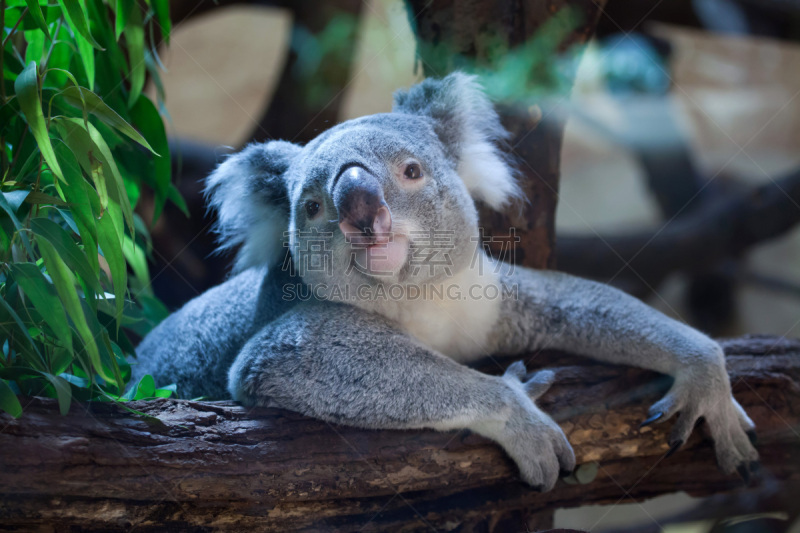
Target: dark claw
755,466
651,419
744,473
751,434
537,488
673,448
565,473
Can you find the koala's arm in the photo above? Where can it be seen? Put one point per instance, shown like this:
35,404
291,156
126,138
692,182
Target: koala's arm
344,365
195,346
555,310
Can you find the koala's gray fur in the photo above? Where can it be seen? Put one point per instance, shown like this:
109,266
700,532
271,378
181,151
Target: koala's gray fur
354,358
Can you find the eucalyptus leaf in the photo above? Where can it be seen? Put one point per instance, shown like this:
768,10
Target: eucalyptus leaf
24,331
161,8
149,121
111,245
86,51
75,15
134,38
86,99
6,206
83,142
36,13
63,391
122,12
80,202
72,255
8,400
65,287
27,89
44,298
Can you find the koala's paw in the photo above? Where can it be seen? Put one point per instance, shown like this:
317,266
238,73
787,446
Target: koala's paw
709,396
532,439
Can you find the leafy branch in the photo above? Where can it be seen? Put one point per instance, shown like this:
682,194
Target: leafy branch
79,144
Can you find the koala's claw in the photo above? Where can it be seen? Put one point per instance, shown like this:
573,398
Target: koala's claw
708,396
751,434
532,439
744,473
673,447
650,419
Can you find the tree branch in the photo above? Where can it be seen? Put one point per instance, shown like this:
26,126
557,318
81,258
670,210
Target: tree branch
217,464
641,260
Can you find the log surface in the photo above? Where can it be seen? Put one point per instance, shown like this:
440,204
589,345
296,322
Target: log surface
200,466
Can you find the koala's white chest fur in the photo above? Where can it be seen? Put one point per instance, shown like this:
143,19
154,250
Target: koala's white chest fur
454,317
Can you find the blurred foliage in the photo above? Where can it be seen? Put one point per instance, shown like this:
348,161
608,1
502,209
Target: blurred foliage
79,140
543,66
540,67
321,55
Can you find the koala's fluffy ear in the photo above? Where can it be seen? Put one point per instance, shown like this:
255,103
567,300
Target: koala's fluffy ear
250,195
468,126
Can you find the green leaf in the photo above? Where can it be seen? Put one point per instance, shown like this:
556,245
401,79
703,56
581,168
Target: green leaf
65,286
176,198
8,400
161,8
16,198
123,11
44,298
111,245
59,58
134,38
63,391
81,206
116,187
6,206
75,15
27,89
68,250
83,98
146,388
147,118
166,392
82,146
36,13
136,259
79,382
22,329
40,198
35,46
86,51
60,360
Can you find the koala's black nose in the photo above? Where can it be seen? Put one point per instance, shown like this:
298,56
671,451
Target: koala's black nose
358,197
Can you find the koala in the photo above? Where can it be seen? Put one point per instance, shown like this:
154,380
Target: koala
344,306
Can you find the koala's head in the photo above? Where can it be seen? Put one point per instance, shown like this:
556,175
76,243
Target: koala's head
382,197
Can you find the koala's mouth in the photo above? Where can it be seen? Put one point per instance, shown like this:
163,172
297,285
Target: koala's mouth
384,256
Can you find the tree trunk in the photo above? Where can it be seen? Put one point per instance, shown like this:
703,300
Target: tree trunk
205,465
480,36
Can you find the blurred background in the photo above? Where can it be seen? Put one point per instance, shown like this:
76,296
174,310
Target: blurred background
676,106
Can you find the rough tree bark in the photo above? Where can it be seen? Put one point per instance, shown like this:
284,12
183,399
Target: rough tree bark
203,465
465,36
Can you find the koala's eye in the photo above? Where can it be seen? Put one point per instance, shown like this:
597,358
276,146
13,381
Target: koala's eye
413,171
312,208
